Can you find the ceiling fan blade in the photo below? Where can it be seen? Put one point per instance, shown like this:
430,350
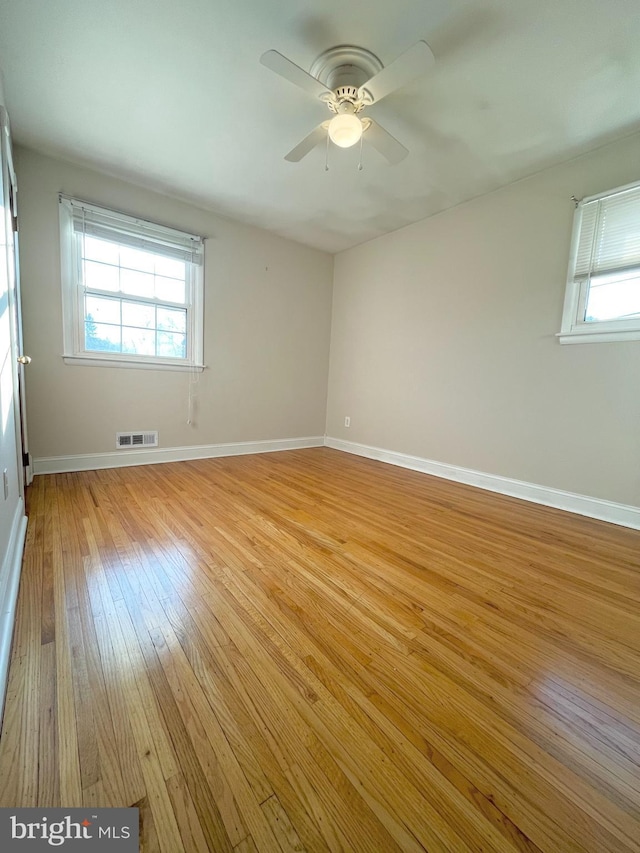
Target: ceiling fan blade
293,73
383,142
409,65
317,135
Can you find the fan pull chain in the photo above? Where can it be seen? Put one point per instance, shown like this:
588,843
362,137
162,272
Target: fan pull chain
360,163
326,159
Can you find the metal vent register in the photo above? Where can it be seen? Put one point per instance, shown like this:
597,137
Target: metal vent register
137,439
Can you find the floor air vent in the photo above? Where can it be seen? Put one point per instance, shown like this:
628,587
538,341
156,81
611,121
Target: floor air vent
137,439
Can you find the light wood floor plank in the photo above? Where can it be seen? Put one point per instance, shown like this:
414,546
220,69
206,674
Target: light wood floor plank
310,651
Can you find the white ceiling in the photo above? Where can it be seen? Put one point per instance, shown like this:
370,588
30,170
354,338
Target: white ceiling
172,96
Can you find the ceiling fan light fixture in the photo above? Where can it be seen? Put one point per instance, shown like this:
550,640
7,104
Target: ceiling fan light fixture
347,79
345,130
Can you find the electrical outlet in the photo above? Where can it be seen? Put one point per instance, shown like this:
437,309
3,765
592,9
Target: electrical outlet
347,421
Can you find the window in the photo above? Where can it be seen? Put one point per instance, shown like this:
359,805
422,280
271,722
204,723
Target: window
132,290
602,301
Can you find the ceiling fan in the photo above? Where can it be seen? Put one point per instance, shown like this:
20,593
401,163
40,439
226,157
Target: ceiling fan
348,79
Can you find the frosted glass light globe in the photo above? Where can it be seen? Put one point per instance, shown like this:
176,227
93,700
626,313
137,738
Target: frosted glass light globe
345,130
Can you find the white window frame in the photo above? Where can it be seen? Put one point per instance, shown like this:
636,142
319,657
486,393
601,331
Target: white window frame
73,291
575,329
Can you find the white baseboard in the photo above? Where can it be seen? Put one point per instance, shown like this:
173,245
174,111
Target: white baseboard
155,455
626,516
615,513
9,583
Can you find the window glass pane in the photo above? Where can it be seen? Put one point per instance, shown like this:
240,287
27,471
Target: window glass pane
138,341
170,289
102,310
169,267
136,259
172,345
99,276
136,283
137,314
100,337
172,320
614,297
100,250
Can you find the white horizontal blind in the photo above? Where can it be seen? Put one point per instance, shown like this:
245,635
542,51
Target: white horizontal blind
93,221
609,234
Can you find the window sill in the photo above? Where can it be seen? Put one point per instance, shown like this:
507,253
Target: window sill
130,363
597,336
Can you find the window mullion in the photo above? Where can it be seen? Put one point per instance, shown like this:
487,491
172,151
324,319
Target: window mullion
112,294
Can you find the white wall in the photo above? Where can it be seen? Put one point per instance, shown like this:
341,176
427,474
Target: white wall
267,328
443,342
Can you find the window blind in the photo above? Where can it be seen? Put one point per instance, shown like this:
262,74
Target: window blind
609,234
93,221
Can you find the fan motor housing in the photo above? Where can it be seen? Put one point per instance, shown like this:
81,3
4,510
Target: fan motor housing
345,95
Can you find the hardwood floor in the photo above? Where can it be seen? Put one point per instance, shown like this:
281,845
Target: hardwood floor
312,651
